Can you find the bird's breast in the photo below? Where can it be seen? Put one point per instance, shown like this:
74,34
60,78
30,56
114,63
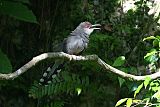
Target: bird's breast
75,45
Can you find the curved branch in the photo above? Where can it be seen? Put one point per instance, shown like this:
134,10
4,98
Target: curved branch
61,55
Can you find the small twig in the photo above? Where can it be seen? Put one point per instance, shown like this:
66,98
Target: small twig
61,55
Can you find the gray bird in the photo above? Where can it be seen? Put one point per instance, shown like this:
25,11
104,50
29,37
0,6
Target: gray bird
74,44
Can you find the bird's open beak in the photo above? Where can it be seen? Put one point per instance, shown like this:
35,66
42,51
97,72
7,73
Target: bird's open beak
96,26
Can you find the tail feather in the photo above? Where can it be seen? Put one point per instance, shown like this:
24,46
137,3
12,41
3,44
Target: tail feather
51,73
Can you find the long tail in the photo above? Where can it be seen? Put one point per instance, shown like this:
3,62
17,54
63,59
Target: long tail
51,73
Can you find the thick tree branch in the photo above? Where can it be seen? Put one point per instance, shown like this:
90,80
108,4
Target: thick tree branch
65,56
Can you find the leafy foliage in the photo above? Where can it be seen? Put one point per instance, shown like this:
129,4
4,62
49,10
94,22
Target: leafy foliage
69,84
151,96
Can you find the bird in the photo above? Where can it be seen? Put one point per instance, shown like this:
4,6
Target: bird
74,44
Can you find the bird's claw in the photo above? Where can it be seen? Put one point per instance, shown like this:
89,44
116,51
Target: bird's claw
72,57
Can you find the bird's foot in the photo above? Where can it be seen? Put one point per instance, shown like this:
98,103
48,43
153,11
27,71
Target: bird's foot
72,57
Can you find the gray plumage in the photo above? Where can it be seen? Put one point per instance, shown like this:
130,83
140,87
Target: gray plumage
74,44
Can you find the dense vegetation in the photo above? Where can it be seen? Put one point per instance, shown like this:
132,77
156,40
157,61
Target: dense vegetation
128,41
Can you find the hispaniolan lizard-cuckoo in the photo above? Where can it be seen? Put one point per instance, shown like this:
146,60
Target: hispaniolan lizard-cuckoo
74,44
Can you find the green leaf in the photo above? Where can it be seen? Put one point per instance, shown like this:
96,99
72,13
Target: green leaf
79,90
156,95
154,85
153,58
152,52
146,82
119,61
158,37
121,101
138,90
17,10
5,65
155,43
129,102
149,38
121,81
49,89
136,101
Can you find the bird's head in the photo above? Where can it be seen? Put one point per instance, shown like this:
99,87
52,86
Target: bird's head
88,27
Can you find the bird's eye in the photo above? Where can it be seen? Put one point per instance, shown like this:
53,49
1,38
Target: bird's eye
87,25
